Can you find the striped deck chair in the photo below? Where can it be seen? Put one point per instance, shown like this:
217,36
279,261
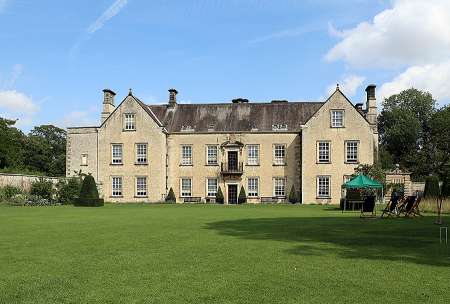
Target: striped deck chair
392,207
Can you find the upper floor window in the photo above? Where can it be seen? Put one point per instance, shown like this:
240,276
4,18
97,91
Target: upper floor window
117,153
84,159
351,151
211,187
279,152
116,186
186,187
141,153
253,155
186,155
323,152
129,122
253,187
141,186
337,118
323,186
279,186
211,155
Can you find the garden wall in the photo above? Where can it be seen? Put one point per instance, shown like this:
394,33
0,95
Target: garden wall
22,181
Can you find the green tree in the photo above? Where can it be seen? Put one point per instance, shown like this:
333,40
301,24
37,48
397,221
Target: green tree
219,196
12,142
170,198
242,198
293,199
440,140
431,187
89,194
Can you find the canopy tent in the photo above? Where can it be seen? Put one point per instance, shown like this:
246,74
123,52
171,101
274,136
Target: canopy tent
362,181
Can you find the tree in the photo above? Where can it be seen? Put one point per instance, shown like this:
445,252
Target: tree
170,198
440,139
293,199
404,128
68,190
431,187
242,199
219,196
89,194
12,142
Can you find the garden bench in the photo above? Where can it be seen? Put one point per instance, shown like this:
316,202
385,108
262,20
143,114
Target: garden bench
272,199
192,199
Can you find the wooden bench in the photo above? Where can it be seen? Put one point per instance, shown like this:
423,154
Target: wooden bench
272,199
192,199
352,197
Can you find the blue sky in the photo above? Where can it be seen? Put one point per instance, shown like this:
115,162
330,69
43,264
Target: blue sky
57,56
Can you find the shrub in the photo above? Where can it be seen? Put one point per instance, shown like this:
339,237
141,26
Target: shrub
293,199
445,187
170,198
219,196
7,192
242,196
35,200
431,187
68,190
42,188
18,200
89,194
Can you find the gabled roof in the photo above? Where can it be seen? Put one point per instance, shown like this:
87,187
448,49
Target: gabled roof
235,117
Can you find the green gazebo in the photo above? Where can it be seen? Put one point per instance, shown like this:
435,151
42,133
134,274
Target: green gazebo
362,182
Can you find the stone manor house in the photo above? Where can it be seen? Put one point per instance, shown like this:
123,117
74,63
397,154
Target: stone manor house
140,151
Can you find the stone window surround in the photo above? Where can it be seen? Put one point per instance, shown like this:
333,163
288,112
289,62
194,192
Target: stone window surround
117,163
182,158
328,178
332,125
118,190
347,161
181,186
318,161
277,179
137,186
129,122
256,185
207,187
276,160
216,163
257,146
137,162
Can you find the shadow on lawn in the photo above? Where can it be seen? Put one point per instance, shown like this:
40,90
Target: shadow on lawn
408,240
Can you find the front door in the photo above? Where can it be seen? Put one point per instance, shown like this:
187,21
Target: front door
232,194
232,160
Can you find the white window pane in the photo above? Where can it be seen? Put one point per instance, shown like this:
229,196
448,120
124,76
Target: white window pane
211,155
324,152
323,186
116,186
337,118
141,186
212,186
253,154
280,154
186,155
279,186
253,186
352,151
129,122
116,154
141,153
186,187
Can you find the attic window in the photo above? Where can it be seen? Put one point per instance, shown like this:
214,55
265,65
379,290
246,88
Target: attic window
187,128
279,127
211,128
254,129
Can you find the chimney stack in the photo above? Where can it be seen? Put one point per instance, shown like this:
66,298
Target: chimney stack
172,97
371,105
108,103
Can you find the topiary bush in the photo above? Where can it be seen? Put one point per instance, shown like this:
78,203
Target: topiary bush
89,194
68,190
242,198
293,199
219,196
170,198
431,187
42,188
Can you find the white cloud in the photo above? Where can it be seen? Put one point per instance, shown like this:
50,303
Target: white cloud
434,78
112,11
79,119
107,15
348,85
412,32
17,105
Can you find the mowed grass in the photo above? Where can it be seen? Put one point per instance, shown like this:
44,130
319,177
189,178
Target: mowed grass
218,254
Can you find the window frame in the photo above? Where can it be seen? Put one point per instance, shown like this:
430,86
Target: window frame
318,160
332,111
347,161
275,162
275,178
115,159
114,191
256,163
181,186
182,160
251,193
127,123
318,194
138,156
208,193
86,157
137,186
208,163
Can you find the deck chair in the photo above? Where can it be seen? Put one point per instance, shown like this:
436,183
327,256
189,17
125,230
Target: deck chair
414,210
392,207
407,205
368,207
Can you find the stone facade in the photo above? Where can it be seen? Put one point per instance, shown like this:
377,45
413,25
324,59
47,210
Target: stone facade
141,151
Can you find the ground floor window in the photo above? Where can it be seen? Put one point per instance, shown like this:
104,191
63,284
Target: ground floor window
279,186
253,187
323,186
117,186
186,187
141,186
211,187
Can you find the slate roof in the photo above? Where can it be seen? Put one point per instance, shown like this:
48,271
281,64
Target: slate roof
235,117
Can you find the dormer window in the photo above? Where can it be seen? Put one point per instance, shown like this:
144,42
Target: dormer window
187,128
337,118
129,122
279,127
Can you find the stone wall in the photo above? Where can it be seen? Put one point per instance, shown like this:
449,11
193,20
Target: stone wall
22,181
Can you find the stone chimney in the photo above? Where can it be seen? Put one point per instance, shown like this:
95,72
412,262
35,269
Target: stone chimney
108,103
371,106
172,98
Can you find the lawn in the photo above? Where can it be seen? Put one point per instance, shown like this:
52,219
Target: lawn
218,254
